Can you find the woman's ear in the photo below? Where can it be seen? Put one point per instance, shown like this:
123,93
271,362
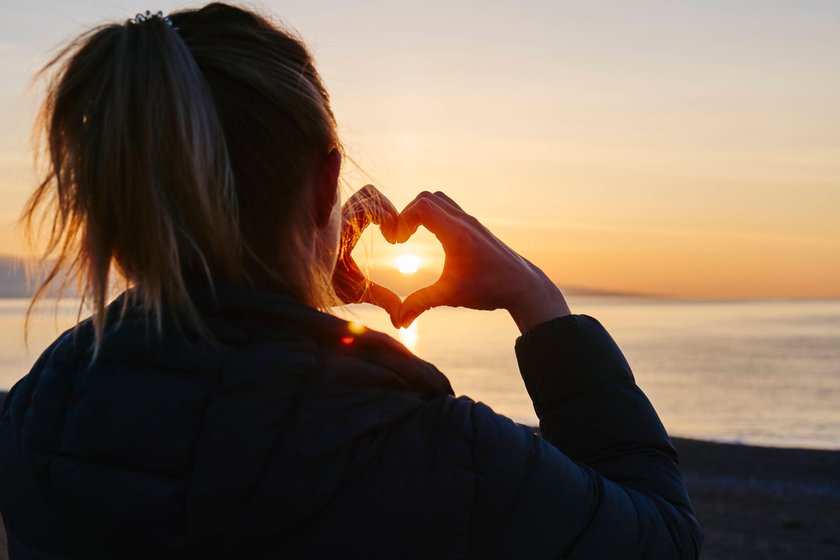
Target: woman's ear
326,187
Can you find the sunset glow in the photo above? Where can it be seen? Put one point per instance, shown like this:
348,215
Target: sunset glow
680,149
408,264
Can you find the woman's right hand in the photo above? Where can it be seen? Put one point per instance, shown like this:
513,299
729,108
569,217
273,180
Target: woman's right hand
479,272
367,206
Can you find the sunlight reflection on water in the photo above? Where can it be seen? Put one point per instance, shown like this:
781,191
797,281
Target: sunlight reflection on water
756,372
410,336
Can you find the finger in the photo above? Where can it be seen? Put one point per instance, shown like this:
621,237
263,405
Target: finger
348,281
384,298
382,212
387,218
420,301
442,195
426,210
369,205
351,286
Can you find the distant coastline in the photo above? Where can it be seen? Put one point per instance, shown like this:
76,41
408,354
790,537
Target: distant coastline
14,284
13,281
403,285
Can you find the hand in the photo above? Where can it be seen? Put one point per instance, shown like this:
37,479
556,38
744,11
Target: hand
479,272
366,206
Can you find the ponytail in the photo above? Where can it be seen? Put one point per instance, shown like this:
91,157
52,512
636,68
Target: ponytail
179,150
138,178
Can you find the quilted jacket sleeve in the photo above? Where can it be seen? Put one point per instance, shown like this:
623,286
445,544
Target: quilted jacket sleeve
601,482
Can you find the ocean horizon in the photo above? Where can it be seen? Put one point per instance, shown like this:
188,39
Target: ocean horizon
756,372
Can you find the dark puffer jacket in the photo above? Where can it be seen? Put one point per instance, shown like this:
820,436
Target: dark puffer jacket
298,438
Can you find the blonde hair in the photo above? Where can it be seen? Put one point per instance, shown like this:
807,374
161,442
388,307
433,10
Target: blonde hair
181,151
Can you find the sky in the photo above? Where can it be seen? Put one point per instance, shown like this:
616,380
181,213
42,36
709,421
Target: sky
686,149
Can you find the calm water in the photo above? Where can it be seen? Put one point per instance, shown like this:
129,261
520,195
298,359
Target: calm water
754,372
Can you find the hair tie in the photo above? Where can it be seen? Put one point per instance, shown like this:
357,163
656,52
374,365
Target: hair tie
140,18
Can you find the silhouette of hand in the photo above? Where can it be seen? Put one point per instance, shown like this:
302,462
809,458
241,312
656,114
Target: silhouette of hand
479,272
367,206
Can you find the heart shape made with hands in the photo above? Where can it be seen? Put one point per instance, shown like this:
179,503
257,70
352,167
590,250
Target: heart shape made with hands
390,265
454,230
479,270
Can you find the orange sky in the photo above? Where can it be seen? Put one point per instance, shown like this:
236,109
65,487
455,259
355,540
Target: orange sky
689,150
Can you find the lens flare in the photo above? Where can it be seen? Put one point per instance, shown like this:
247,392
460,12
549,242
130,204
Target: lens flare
355,328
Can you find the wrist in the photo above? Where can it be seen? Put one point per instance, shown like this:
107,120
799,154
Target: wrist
539,301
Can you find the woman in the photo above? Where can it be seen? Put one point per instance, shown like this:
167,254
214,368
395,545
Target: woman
212,410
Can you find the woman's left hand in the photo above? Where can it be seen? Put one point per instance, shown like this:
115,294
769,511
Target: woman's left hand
367,206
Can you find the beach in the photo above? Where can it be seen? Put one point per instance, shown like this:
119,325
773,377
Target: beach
754,502
761,502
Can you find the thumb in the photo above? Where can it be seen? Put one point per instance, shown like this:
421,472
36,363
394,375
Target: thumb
420,301
384,298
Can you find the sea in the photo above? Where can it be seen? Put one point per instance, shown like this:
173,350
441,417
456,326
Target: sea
751,372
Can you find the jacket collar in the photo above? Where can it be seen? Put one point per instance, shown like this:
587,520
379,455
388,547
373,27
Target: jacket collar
283,312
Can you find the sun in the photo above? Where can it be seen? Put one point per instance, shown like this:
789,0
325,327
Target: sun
408,264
